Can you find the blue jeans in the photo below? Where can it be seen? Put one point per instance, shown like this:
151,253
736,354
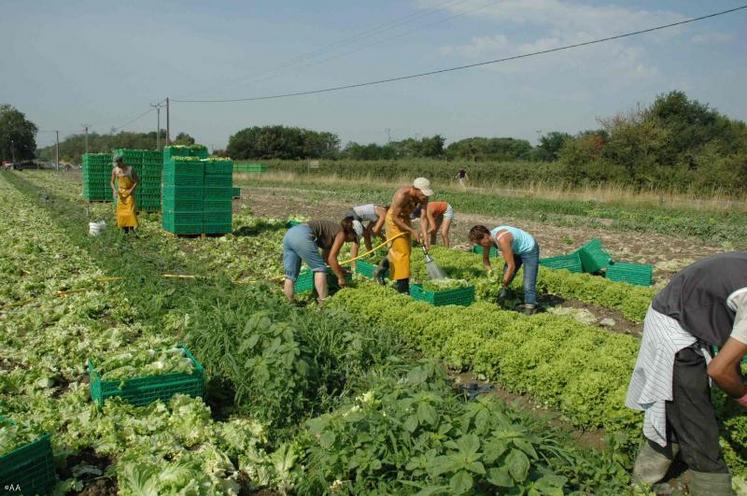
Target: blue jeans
299,245
530,260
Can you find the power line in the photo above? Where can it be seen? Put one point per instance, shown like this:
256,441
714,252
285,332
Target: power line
307,58
467,66
136,118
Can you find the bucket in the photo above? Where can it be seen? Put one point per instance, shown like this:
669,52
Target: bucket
96,228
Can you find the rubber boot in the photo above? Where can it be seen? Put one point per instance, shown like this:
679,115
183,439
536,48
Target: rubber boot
528,309
650,465
710,484
381,271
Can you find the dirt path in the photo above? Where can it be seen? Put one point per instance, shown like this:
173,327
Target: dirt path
668,254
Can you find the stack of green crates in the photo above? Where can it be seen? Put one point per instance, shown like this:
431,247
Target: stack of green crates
217,215
147,164
182,193
97,174
197,195
149,190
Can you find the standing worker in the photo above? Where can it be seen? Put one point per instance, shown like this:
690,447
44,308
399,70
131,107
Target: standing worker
127,181
517,248
703,305
462,178
398,224
440,214
374,215
302,243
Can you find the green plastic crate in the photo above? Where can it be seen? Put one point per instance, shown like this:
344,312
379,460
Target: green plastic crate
631,273
179,190
455,296
593,256
236,192
305,281
28,470
216,166
221,205
199,151
182,222
182,203
217,193
570,262
217,217
366,269
143,390
218,181
478,249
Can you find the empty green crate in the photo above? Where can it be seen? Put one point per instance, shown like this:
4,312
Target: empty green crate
570,262
185,180
217,193
593,257
146,389
218,181
478,249
218,166
29,468
455,296
178,190
183,203
631,273
220,205
305,281
224,217
366,269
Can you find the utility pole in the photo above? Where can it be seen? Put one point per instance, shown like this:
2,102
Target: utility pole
57,151
388,136
157,106
85,126
12,153
168,123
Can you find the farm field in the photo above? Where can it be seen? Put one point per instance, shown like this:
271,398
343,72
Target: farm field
357,397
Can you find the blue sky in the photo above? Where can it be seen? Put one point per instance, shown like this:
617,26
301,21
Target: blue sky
70,62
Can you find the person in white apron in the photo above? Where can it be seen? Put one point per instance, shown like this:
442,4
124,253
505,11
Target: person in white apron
703,306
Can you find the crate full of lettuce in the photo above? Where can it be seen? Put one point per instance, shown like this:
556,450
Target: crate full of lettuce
145,375
444,292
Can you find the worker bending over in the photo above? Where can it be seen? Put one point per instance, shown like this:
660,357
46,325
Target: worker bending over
303,242
372,217
704,305
517,248
399,226
440,214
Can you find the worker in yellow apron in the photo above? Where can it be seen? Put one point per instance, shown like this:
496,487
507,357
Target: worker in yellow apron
127,181
399,226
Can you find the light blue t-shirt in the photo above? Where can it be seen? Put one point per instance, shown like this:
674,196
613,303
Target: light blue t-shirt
522,243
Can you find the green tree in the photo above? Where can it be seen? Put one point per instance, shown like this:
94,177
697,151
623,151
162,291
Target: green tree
184,139
17,135
550,145
282,142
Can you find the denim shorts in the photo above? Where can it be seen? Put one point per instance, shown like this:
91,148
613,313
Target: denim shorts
299,245
449,214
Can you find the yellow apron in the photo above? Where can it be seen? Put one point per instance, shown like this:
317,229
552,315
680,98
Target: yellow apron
126,216
399,249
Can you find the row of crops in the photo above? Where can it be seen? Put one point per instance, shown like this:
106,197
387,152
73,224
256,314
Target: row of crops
349,399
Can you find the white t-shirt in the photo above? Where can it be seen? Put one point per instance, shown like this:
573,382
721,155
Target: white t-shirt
366,212
737,301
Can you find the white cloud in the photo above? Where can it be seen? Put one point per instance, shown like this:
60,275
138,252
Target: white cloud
714,38
537,25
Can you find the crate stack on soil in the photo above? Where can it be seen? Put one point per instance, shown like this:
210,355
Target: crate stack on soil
97,174
197,192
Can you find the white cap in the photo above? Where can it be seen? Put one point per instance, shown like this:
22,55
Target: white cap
423,185
358,228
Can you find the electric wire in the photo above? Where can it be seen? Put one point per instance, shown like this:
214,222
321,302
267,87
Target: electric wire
465,66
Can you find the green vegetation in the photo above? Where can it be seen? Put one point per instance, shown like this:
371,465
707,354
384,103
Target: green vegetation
17,135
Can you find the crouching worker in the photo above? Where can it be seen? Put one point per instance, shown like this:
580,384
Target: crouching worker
517,248
704,305
303,242
374,216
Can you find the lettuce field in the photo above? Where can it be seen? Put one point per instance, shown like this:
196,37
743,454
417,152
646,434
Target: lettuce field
358,397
